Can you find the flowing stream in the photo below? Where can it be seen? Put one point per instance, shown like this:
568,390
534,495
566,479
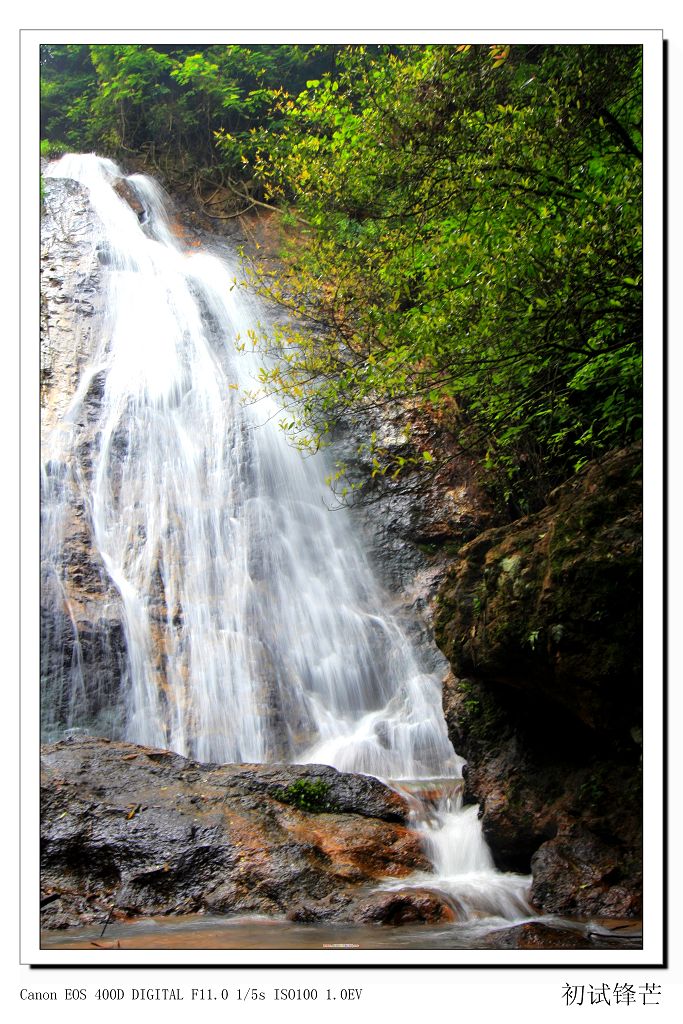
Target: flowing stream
254,628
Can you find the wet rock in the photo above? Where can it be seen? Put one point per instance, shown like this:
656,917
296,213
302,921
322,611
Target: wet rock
126,191
555,935
332,907
578,873
139,831
552,605
395,907
541,621
404,906
355,794
535,935
512,832
535,780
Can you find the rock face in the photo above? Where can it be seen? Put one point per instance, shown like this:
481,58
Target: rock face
126,191
70,286
138,831
553,605
83,657
542,623
414,525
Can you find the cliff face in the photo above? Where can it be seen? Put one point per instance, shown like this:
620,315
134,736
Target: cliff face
82,639
540,620
552,605
542,624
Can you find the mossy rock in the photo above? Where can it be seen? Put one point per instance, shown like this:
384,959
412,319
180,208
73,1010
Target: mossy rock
552,604
312,795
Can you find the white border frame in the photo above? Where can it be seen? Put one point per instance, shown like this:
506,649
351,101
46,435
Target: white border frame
652,952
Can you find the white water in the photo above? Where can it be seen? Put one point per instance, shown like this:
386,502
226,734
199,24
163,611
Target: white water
255,630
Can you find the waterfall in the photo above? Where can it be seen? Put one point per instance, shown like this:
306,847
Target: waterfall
254,629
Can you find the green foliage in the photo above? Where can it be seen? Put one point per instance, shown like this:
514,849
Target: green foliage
182,108
472,249
52,150
471,706
308,795
68,86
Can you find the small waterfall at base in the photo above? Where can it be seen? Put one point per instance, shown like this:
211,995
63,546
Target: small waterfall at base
462,861
254,629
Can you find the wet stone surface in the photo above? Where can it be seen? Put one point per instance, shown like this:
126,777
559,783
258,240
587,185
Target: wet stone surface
131,831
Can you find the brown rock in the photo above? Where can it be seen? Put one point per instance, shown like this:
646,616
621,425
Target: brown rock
576,873
126,191
404,906
140,831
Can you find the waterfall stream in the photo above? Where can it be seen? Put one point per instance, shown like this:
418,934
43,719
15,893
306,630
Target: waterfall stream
254,628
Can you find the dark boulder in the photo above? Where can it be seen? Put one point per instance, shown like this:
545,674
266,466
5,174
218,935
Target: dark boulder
552,605
542,623
404,906
134,831
576,873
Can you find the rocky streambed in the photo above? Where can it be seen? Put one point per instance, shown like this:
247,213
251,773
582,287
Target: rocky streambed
131,831
144,849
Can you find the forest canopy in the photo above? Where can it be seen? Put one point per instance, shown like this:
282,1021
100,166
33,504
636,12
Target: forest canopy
461,225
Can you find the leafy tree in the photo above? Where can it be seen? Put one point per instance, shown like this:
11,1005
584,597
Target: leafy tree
473,248
181,108
68,85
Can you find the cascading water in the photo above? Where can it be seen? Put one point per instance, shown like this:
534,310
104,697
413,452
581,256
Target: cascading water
254,628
